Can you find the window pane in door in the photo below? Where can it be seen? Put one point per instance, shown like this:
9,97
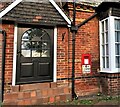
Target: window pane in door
26,53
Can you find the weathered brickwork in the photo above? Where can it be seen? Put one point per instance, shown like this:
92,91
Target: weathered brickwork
1,36
39,93
87,42
110,84
9,28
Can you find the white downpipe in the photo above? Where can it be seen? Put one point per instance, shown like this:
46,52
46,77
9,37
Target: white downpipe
60,11
10,7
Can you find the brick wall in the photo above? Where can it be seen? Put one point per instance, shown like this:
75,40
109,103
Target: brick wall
110,83
39,93
87,42
9,28
1,36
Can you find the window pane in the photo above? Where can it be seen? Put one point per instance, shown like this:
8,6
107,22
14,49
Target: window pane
26,45
106,37
117,49
35,53
107,62
103,62
117,24
26,53
102,26
45,53
117,61
107,51
103,50
106,25
103,40
117,36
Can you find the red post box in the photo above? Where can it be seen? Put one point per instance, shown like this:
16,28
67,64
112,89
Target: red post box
86,63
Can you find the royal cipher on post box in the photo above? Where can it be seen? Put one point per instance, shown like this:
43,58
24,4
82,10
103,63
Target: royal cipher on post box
86,63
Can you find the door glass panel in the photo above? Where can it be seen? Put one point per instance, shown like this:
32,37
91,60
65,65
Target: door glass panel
45,53
35,53
26,53
35,43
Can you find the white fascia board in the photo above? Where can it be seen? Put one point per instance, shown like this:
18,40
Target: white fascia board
10,7
61,12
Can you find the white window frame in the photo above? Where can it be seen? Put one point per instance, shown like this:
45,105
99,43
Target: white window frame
111,40
15,56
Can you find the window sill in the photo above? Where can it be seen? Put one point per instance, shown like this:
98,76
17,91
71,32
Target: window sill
114,71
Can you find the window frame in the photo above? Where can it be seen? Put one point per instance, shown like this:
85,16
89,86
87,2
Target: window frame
111,41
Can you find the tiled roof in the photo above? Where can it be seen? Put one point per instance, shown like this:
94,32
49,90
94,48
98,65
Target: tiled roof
34,12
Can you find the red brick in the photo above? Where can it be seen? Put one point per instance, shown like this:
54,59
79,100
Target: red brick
63,97
21,102
53,85
33,94
50,92
10,96
26,95
66,90
44,93
15,88
57,98
27,102
45,100
20,95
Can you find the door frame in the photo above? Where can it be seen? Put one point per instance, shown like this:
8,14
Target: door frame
15,56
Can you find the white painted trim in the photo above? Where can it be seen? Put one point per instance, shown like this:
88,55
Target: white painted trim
60,11
55,56
111,36
112,43
118,71
10,7
14,56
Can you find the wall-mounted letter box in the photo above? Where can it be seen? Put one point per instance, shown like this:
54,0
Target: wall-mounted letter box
86,63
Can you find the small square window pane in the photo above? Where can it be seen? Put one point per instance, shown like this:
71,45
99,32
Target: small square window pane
117,36
103,50
107,62
117,24
117,61
106,37
117,49
103,40
26,45
45,53
106,25
35,53
102,26
103,60
107,49
26,53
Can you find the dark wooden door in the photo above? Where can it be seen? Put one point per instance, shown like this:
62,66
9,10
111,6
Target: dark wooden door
34,55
